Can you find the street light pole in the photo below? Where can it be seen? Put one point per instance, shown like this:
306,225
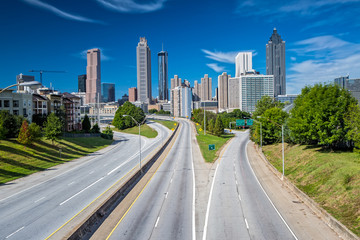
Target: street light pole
204,120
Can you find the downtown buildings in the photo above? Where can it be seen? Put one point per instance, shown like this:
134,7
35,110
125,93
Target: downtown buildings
143,63
93,76
163,75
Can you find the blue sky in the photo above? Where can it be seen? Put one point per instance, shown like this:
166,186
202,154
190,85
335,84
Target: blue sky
201,37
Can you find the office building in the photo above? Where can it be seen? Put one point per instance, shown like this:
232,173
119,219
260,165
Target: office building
243,63
163,75
206,88
252,88
82,83
175,82
197,91
341,81
234,93
143,63
108,92
132,94
181,101
353,85
124,98
288,98
275,62
93,76
223,91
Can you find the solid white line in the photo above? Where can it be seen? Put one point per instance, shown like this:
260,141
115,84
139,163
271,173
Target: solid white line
71,183
117,167
157,221
193,203
171,180
39,199
247,225
166,194
236,182
209,203
81,191
267,195
15,232
239,197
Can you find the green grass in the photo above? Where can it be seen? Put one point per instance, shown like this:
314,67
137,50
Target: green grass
18,161
205,140
169,124
331,178
145,131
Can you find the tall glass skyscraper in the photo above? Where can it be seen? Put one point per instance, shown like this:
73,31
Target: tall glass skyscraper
108,92
143,63
275,62
163,75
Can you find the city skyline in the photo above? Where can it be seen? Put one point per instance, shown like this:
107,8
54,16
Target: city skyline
318,50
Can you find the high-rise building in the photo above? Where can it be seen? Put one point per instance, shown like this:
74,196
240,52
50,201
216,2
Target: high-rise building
132,94
243,63
181,101
108,92
175,82
234,93
143,63
275,62
223,91
93,76
253,88
341,81
206,88
163,75
82,83
197,91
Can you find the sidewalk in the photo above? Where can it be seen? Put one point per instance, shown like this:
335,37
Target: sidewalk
301,219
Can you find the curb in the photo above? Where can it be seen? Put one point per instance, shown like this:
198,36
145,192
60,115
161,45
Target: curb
334,224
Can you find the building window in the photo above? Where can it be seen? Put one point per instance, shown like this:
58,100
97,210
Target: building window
16,103
24,112
16,112
6,103
0,103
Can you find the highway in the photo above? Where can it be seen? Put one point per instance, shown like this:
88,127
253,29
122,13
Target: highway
36,206
238,207
165,208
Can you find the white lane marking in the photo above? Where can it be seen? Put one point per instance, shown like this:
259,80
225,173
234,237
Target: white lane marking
236,182
81,191
166,194
171,180
157,221
267,195
247,225
39,199
71,183
91,172
209,203
117,167
16,231
239,197
193,203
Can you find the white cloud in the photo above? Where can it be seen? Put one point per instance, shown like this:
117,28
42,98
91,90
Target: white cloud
327,57
293,58
83,54
132,6
59,12
225,57
216,67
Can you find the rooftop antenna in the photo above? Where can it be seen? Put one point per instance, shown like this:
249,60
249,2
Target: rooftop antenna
162,47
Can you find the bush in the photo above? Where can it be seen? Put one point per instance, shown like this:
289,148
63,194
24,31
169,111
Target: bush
35,132
95,129
53,127
107,133
24,134
86,125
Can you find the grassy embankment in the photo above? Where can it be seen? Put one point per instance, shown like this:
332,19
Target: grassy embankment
204,141
18,161
169,124
145,131
332,179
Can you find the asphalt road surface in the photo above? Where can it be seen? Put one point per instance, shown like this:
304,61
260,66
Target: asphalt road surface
165,209
34,207
238,207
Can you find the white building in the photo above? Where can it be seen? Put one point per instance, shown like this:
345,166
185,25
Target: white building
20,104
181,100
243,63
234,93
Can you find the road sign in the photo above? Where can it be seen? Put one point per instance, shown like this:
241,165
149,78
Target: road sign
174,124
211,146
240,122
172,129
249,122
200,129
197,124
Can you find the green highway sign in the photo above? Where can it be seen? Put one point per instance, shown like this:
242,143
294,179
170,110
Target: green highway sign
249,122
240,122
211,146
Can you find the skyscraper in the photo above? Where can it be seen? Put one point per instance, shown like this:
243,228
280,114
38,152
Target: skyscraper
163,75
93,76
143,63
132,94
108,92
206,88
82,83
234,93
181,101
243,63
175,82
223,91
197,91
275,62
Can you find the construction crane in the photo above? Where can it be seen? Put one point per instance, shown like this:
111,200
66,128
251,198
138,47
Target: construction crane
42,71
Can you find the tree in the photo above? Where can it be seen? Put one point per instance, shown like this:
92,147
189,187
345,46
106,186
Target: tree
86,125
95,129
39,119
271,121
24,134
10,124
153,111
318,116
53,127
130,109
266,102
35,132
211,126
219,127
352,122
